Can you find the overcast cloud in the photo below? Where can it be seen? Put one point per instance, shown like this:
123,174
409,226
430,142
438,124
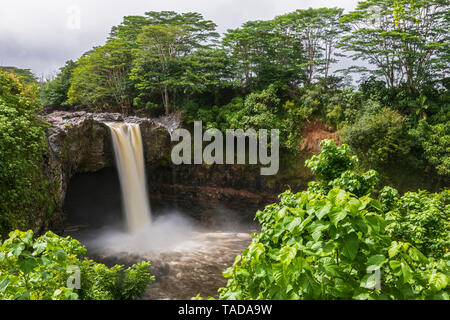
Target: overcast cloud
42,35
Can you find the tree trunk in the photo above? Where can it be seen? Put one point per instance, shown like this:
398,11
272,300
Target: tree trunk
166,100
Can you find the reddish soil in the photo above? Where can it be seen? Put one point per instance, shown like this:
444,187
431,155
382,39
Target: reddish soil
313,133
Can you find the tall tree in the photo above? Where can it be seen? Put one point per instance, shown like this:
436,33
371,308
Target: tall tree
54,92
101,77
198,30
406,40
25,75
316,33
263,53
157,65
293,48
168,53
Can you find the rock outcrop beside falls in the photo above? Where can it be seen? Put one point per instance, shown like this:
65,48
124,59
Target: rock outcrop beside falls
80,142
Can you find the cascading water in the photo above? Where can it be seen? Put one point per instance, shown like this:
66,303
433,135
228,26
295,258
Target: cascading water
129,155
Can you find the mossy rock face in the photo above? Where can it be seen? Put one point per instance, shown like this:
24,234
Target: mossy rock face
157,146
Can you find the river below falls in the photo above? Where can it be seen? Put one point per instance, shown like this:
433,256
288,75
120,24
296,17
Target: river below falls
184,273
185,264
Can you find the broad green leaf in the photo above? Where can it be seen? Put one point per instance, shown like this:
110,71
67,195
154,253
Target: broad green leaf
256,249
4,284
228,273
306,222
439,281
316,235
364,202
287,254
39,247
394,249
377,260
369,281
353,205
260,271
416,255
294,223
281,213
27,265
377,205
277,271
406,271
323,211
351,245
28,237
337,215
16,249
375,222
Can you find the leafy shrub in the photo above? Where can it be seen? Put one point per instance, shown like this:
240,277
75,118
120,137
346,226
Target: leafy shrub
422,219
335,167
332,161
24,191
41,268
259,110
332,105
331,247
435,141
377,138
333,244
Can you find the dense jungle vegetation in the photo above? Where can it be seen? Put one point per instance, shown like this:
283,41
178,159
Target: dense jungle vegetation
284,72
336,241
327,242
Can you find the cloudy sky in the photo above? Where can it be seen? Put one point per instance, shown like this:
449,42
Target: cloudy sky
42,34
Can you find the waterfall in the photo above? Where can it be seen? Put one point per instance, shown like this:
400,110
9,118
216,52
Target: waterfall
127,141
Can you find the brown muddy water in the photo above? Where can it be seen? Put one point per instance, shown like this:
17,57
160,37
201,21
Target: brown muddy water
186,261
188,243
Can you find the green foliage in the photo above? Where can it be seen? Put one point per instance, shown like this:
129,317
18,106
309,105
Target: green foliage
42,269
335,167
331,247
259,110
332,161
24,75
378,137
25,193
262,53
407,41
277,73
100,77
326,100
421,219
293,48
337,245
54,93
435,141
